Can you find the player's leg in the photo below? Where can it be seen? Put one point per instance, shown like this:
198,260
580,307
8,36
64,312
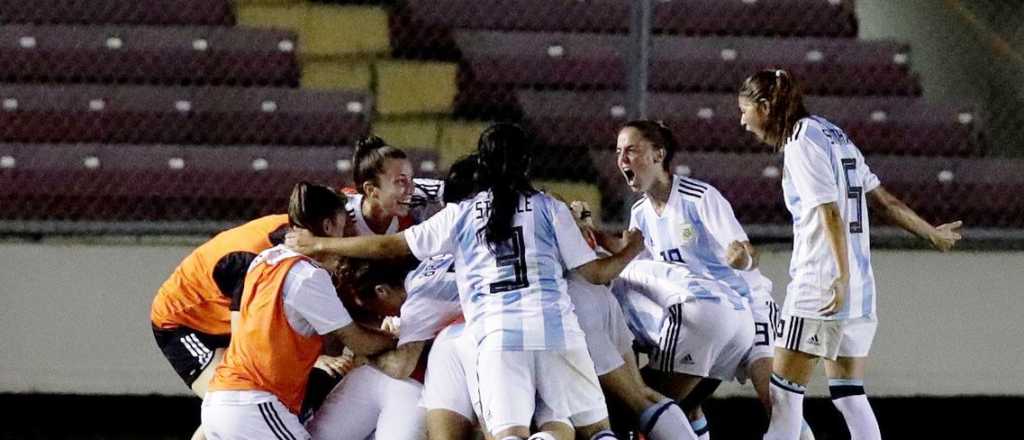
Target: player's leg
506,385
450,414
443,424
660,418
846,379
194,356
401,417
568,390
223,420
350,410
801,342
691,405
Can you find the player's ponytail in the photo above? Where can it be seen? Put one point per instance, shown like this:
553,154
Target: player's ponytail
368,160
310,204
660,137
504,151
780,91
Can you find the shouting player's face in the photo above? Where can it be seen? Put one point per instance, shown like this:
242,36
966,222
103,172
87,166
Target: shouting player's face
394,193
753,117
638,159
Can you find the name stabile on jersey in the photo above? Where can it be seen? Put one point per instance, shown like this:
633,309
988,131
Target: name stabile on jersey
483,208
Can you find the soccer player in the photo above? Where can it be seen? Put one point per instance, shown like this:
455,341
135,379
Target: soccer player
289,312
511,246
386,198
382,398
688,222
829,312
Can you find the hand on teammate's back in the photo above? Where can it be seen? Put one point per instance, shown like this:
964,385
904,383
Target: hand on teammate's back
301,241
335,365
945,236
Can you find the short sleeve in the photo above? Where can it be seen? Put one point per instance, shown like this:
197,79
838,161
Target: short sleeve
423,317
870,180
718,217
810,169
312,296
571,245
434,236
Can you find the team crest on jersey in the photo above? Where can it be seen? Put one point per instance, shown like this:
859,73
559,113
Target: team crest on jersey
686,232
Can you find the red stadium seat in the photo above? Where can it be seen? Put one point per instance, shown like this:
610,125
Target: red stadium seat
98,12
710,122
190,115
423,28
165,183
148,55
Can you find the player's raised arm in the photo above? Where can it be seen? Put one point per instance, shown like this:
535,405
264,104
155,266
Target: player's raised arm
604,270
942,237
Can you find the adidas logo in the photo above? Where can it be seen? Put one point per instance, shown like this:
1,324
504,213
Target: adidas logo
688,360
814,340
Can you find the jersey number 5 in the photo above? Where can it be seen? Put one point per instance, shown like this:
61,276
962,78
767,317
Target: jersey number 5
855,193
517,259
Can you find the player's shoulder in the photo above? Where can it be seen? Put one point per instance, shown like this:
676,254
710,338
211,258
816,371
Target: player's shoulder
692,190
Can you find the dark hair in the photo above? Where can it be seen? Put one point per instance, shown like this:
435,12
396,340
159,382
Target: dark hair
780,90
461,182
368,160
361,277
659,135
504,157
310,204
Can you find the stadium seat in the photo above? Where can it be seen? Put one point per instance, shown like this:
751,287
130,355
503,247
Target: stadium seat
324,30
166,182
423,28
148,55
190,115
123,12
496,62
710,122
981,192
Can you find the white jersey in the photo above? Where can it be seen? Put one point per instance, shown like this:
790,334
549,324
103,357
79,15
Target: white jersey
646,288
513,294
432,300
427,200
822,165
694,229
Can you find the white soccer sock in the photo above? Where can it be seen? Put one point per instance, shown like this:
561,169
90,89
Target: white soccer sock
787,409
666,421
700,427
848,396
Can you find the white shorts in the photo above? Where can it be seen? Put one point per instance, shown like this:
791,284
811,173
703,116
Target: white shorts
766,315
608,337
517,387
703,338
242,415
369,402
451,374
828,339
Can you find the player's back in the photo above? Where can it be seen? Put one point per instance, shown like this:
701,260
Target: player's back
514,293
197,294
822,165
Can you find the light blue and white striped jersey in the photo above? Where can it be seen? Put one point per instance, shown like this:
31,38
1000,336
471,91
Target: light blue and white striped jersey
513,294
694,229
822,165
432,300
646,289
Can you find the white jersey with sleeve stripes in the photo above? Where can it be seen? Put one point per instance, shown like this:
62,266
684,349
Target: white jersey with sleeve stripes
695,229
311,303
427,200
646,289
432,300
513,294
822,165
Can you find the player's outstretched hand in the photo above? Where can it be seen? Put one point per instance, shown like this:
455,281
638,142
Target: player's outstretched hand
838,291
301,241
945,236
581,211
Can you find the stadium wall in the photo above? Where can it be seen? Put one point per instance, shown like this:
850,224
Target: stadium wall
74,319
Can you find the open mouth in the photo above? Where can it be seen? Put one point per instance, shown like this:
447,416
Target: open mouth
630,175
